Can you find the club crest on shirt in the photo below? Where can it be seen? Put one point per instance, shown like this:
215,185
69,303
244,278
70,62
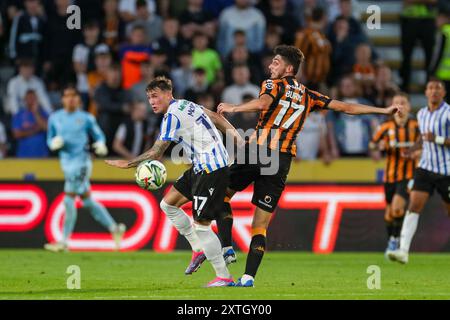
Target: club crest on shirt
269,84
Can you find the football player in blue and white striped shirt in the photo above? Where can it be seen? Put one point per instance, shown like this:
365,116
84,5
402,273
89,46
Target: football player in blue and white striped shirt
433,171
195,128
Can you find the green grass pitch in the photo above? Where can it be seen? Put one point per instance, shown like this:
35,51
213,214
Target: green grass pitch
35,274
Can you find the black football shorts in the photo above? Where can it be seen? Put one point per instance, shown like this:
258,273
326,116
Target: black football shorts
206,191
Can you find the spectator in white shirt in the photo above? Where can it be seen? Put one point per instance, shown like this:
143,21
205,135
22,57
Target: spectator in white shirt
21,83
241,16
312,141
241,85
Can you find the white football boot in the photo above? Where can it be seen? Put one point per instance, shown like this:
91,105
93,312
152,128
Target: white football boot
399,256
56,247
117,234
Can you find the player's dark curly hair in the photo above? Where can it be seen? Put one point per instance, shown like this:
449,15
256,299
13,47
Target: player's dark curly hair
291,55
434,79
162,83
71,86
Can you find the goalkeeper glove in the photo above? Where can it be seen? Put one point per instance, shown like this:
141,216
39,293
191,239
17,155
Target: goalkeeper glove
56,143
100,148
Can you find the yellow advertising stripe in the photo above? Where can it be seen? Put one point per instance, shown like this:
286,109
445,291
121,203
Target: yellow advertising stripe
347,170
20,169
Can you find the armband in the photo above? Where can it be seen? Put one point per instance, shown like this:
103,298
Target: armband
439,140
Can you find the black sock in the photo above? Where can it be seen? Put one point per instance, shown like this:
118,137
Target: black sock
397,226
255,254
225,226
390,228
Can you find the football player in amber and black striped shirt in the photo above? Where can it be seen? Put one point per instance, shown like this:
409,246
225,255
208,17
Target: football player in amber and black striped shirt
284,104
395,136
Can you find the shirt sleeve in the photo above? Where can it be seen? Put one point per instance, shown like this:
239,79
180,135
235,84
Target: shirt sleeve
317,101
417,131
379,134
270,88
12,96
44,114
79,54
121,132
16,123
94,130
51,130
44,99
125,6
169,128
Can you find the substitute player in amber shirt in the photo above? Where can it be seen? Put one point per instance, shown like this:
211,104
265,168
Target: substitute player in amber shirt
284,104
395,136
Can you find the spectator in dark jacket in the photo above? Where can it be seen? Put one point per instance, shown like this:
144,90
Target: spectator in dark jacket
60,42
357,34
171,43
240,55
342,55
91,9
132,135
195,19
279,17
112,102
113,26
83,57
28,34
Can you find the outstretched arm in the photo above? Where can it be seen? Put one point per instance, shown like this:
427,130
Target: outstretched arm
259,104
225,127
153,153
356,108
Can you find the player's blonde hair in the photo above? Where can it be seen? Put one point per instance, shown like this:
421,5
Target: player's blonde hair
162,83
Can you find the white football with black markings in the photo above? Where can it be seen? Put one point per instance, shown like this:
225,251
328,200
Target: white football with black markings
151,175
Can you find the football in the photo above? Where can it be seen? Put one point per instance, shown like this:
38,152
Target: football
151,175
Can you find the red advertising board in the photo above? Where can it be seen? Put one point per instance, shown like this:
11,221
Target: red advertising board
319,218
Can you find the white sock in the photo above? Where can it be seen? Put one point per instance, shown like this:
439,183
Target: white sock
183,224
213,250
408,229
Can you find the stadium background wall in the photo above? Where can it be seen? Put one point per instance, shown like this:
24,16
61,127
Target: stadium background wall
323,209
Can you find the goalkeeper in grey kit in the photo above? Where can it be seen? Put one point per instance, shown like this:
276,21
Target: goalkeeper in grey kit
68,133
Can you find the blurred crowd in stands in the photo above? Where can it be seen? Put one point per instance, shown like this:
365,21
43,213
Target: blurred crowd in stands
213,50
